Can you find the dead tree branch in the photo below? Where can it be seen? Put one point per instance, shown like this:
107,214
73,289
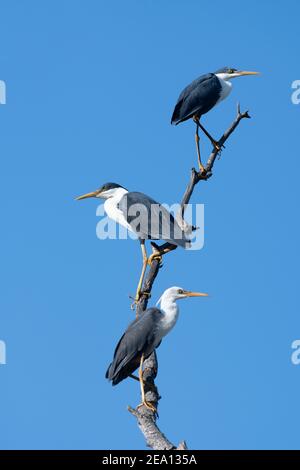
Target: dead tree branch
146,418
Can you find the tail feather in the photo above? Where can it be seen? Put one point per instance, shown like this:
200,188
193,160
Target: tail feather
183,242
107,373
111,376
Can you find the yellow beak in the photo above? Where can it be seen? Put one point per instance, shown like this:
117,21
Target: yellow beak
195,294
248,73
85,196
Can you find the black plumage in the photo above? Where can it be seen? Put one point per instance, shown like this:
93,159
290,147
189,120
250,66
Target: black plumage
150,220
141,337
197,98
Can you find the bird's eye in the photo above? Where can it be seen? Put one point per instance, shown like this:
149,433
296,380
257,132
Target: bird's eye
180,291
231,71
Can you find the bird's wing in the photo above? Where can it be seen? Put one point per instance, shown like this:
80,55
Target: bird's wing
151,220
197,98
140,337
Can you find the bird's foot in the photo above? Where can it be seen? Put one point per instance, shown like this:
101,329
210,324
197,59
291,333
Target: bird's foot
137,298
141,294
148,405
155,256
147,294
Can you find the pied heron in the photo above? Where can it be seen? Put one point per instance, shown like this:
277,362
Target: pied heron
144,335
142,215
201,96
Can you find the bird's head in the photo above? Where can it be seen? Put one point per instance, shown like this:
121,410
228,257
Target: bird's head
176,293
106,191
227,73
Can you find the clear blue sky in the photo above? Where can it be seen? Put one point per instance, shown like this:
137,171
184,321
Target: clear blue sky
90,90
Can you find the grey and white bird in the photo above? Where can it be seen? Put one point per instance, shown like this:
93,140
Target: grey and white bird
144,216
144,335
203,94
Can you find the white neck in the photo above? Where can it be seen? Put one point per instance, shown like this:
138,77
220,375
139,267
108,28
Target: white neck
116,194
170,312
111,206
225,84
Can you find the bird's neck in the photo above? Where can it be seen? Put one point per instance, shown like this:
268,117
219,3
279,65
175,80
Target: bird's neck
117,195
226,86
170,313
112,210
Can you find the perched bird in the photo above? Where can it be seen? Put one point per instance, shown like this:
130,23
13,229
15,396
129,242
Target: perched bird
201,96
144,216
144,335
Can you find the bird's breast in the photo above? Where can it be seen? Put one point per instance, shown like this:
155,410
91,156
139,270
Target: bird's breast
168,322
112,210
226,88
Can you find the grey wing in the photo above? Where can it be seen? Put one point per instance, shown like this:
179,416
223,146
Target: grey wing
197,98
139,338
151,220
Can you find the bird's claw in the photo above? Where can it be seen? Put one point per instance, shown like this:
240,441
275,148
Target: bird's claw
146,294
137,298
155,256
148,405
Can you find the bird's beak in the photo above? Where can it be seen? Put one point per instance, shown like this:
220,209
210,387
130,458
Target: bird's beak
195,294
85,196
244,72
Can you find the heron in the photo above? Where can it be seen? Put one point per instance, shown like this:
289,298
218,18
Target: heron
142,215
144,335
201,96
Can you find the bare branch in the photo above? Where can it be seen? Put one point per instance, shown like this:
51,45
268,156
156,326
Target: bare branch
146,418
153,435
225,136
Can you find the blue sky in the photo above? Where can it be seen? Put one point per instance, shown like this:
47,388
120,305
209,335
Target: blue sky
90,90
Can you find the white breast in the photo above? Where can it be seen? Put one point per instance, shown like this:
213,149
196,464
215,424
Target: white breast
170,316
226,88
112,210
167,324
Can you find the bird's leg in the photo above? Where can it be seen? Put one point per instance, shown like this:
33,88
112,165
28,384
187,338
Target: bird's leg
144,401
197,139
134,377
145,260
213,141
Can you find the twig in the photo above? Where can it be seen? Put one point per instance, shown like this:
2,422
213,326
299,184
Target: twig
146,418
